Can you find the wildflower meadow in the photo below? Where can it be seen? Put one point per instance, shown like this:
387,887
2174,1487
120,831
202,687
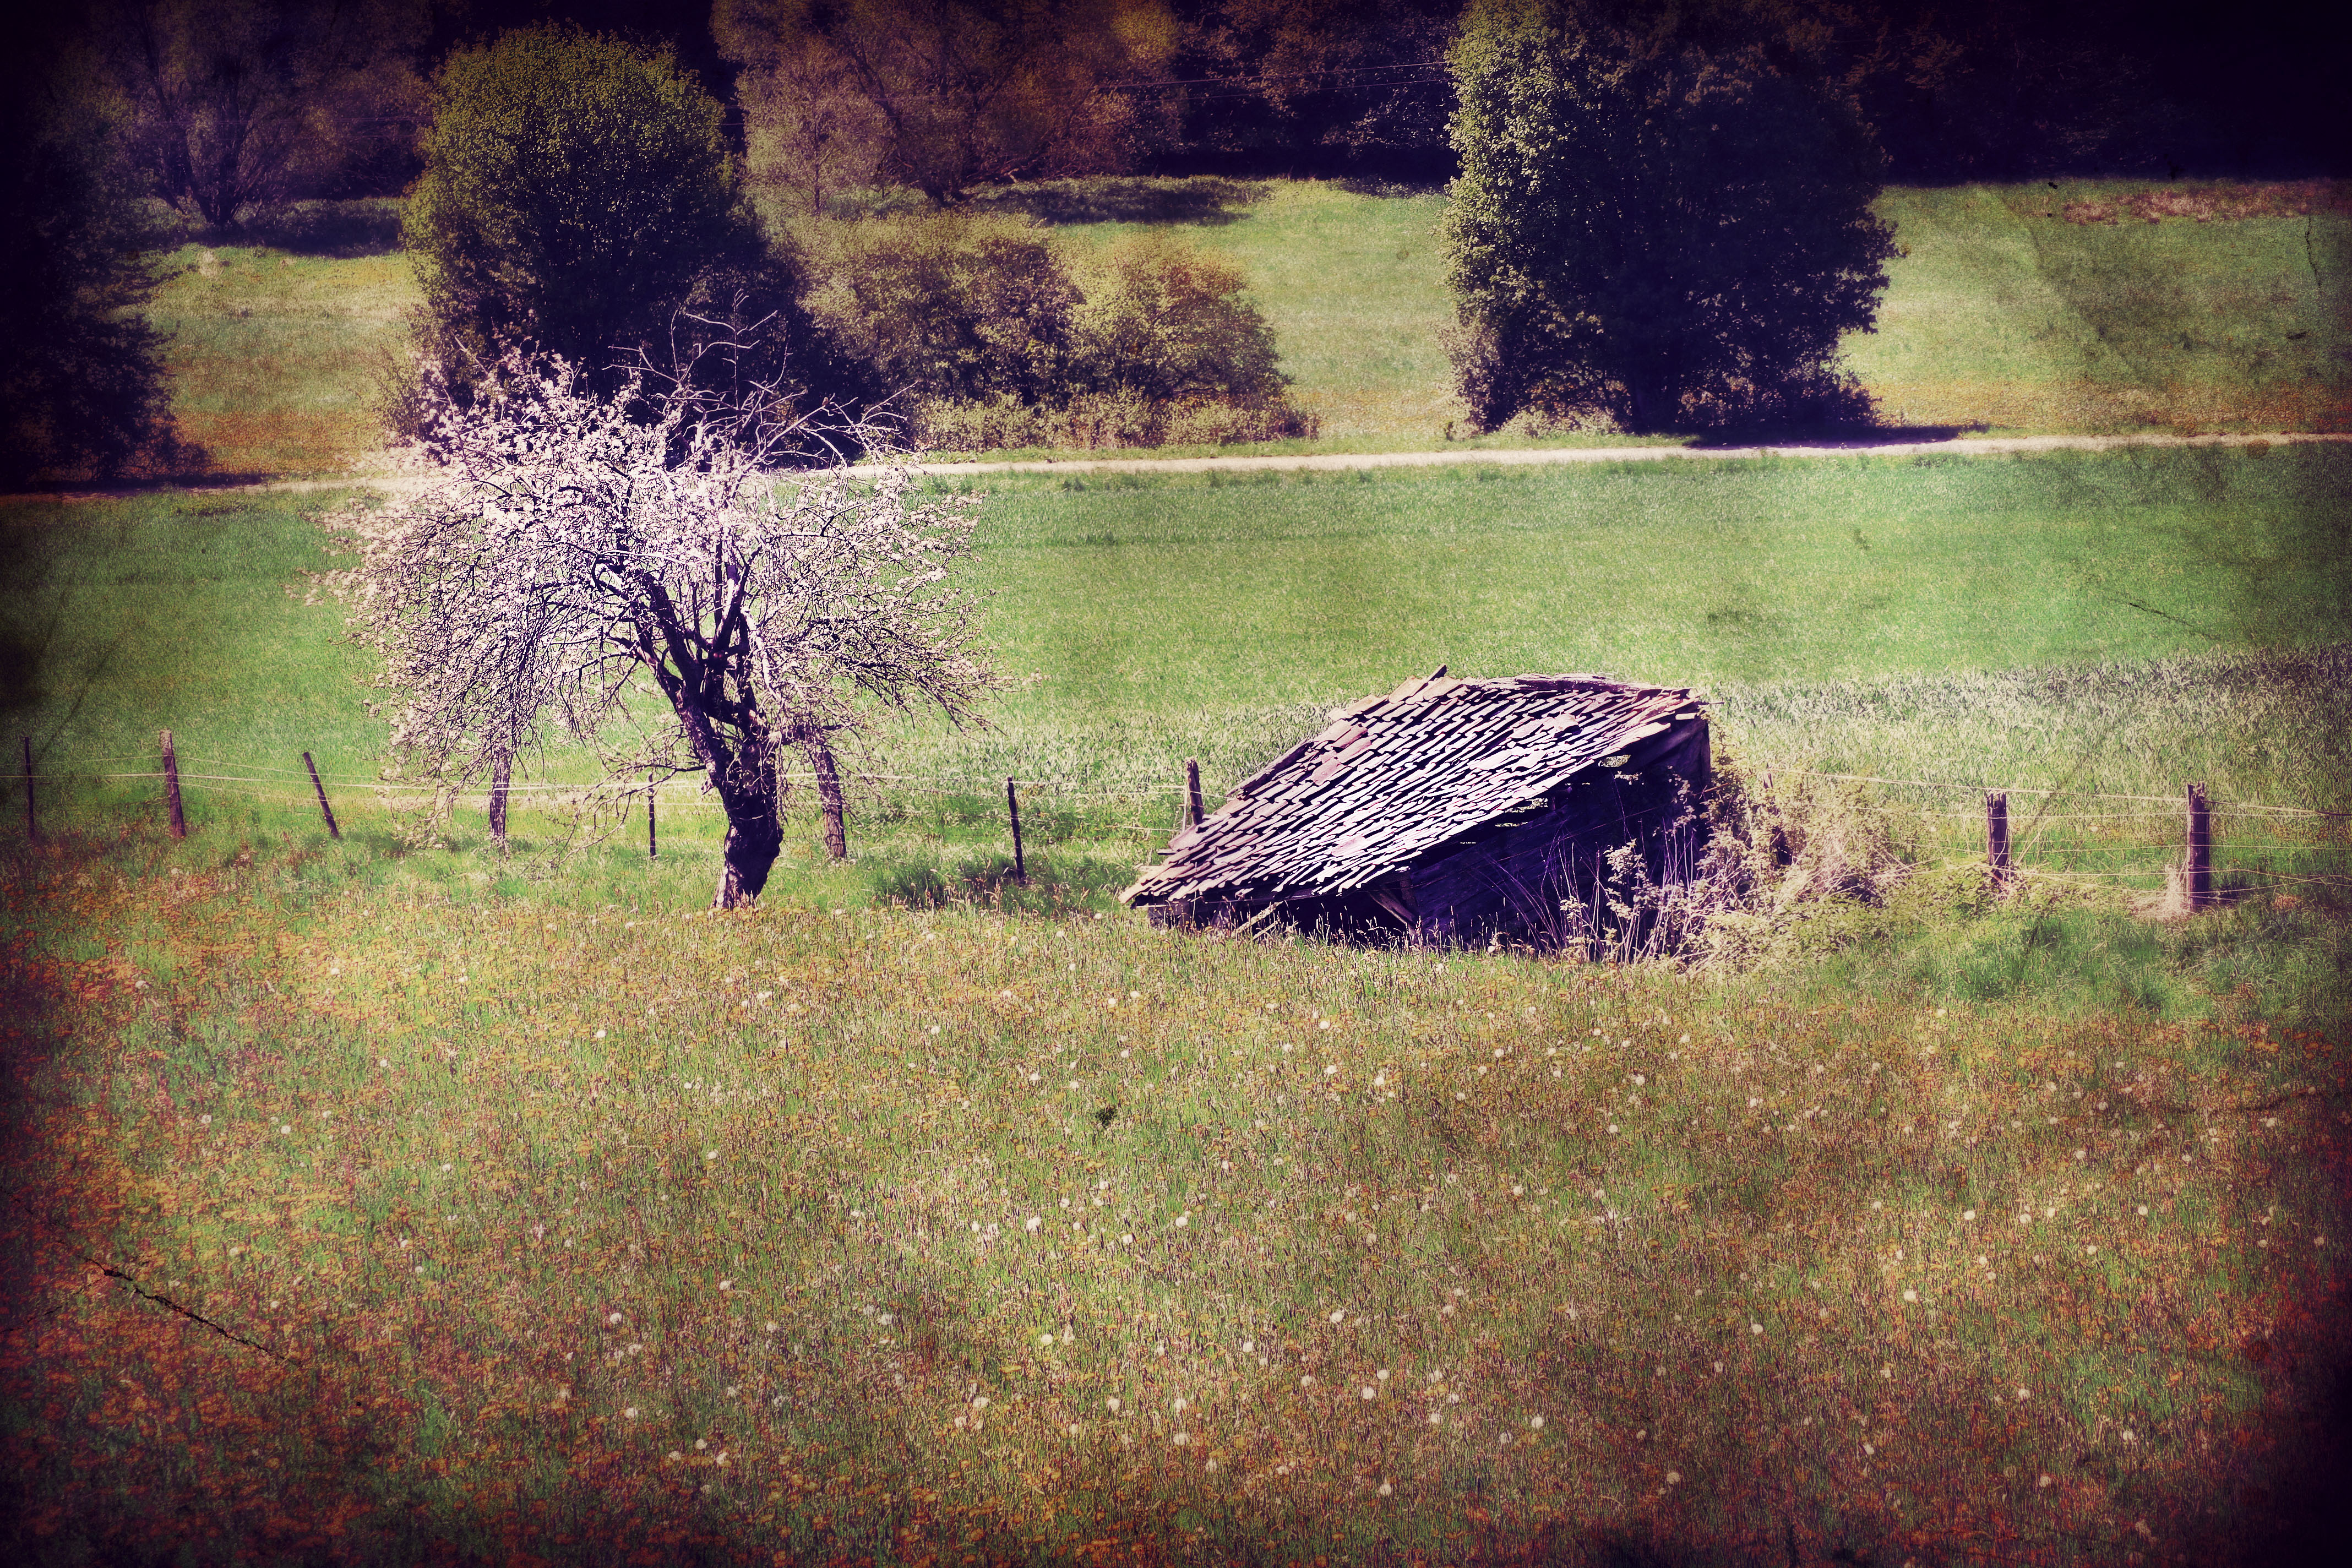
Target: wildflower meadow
371,1223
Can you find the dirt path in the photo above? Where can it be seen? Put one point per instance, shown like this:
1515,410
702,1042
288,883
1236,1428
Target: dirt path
1958,446
1968,446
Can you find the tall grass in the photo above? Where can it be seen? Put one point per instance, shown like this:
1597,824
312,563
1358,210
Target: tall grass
440,1227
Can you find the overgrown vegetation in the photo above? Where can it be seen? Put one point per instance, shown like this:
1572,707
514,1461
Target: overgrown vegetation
983,333
1881,1099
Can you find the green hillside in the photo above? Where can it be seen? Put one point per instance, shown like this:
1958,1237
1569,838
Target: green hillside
2004,313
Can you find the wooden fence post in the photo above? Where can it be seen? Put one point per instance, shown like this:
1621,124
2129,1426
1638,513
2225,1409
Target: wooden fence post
1192,788
1013,809
828,792
324,809
172,788
32,823
1997,838
653,842
501,775
2201,849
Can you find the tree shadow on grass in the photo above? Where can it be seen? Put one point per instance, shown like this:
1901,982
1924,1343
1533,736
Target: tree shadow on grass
1861,437
341,230
1199,199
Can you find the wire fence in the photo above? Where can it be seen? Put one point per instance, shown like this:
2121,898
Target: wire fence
2057,835
2082,837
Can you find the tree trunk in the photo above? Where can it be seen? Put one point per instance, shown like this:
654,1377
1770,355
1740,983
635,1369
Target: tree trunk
754,839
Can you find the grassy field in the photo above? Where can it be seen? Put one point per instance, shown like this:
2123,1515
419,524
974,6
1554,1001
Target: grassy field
2001,314
1857,615
276,347
366,1223
2001,311
388,1200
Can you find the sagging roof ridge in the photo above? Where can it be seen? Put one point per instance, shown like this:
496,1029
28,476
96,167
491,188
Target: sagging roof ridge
1339,810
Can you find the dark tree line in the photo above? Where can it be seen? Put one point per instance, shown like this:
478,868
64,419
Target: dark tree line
234,105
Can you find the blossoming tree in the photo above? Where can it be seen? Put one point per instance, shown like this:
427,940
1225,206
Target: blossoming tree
678,579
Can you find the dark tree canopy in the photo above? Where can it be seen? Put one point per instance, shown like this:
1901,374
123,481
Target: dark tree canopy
83,387
942,95
577,191
1648,229
1314,85
238,105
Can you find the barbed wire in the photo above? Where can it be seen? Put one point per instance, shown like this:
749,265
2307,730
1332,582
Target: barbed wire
990,783
2175,801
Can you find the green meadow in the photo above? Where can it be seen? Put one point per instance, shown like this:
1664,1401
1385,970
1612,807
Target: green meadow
389,1198
2001,312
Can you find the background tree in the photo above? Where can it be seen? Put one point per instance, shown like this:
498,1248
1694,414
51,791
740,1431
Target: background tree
947,94
577,191
581,553
1315,86
238,104
84,386
1647,228
809,126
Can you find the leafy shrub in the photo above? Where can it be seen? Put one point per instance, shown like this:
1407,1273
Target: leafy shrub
1169,324
992,340
953,308
1103,419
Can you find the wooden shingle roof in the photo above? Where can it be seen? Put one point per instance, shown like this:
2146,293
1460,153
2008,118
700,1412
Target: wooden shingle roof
1399,775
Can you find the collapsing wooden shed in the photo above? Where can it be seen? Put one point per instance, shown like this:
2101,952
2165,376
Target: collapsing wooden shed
1447,811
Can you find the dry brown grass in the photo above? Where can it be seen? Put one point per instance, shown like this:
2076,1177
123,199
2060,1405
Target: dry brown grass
2216,203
